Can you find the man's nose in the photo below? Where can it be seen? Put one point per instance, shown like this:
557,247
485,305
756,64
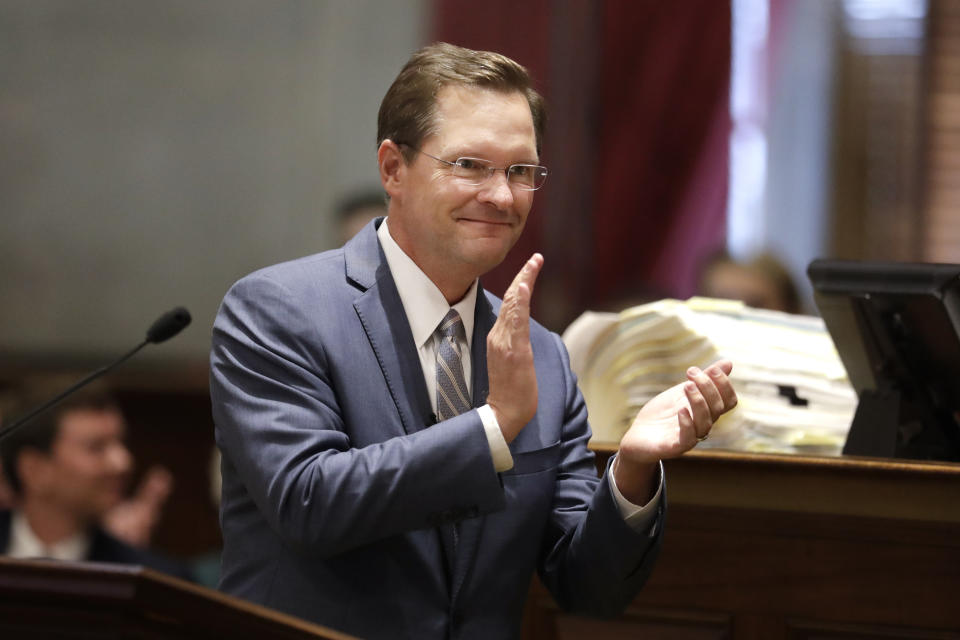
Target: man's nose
497,190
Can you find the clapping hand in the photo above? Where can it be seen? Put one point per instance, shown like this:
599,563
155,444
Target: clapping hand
671,424
513,379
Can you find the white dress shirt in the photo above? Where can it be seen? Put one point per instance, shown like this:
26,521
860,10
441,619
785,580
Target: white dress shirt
425,306
25,544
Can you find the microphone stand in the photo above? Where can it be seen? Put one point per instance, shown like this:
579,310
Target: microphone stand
6,431
164,328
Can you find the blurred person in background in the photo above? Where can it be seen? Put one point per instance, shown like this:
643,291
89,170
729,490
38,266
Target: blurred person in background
6,494
7,402
135,519
68,469
763,282
354,211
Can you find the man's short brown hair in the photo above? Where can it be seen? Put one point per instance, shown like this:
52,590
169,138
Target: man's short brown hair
408,111
42,431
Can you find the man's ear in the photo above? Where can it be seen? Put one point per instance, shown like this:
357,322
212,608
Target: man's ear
392,167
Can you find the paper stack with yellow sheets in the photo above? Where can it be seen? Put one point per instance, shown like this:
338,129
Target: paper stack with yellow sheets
793,390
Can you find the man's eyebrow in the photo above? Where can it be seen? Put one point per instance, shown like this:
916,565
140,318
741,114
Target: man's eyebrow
480,156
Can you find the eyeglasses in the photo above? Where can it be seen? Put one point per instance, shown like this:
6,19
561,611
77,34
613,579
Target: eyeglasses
474,171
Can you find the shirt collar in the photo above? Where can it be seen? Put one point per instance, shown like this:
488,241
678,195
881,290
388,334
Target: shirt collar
422,300
25,544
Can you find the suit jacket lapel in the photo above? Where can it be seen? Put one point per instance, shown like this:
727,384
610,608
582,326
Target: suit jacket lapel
483,320
470,529
381,313
385,323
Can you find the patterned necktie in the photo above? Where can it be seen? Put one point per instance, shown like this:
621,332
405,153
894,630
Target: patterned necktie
452,395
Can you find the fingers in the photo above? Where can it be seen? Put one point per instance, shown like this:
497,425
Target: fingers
723,365
522,285
699,410
719,373
715,387
710,394
708,390
510,367
686,421
156,486
527,274
515,311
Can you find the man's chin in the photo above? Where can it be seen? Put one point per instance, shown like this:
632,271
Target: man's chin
490,259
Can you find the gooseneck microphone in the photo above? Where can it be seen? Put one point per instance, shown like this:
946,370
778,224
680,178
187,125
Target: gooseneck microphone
165,327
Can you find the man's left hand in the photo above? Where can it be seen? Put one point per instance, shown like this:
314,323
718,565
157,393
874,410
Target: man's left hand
671,424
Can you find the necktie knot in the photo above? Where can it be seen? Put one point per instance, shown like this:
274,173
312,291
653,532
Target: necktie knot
452,326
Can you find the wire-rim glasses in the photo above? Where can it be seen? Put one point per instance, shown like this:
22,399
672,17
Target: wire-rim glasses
476,171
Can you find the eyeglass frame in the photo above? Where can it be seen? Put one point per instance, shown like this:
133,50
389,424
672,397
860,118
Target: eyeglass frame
490,170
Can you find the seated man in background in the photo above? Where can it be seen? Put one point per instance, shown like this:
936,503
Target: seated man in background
67,469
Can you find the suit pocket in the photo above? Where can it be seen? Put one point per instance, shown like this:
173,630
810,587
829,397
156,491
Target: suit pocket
525,462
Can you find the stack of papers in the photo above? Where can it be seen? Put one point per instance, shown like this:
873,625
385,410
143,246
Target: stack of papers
794,395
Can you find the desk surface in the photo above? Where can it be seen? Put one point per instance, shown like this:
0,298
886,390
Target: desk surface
761,547
852,486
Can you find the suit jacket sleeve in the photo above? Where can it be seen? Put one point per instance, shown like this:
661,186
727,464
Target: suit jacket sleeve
592,562
280,426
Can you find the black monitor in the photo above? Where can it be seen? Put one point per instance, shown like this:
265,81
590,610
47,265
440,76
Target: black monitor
896,327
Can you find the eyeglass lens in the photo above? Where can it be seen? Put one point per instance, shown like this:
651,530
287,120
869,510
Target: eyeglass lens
526,176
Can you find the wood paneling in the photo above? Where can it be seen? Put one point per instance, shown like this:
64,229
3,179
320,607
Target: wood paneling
794,547
942,131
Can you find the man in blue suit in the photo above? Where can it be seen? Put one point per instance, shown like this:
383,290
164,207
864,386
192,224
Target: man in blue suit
402,450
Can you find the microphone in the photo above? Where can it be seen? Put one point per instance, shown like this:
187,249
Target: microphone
168,325
165,327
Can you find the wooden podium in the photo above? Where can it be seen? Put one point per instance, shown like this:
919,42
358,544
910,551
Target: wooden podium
771,547
49,599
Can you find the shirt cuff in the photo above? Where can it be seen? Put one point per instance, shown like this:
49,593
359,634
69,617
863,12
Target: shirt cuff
638,518
502,459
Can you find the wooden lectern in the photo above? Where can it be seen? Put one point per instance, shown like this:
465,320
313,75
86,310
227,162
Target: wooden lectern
44,599
789,547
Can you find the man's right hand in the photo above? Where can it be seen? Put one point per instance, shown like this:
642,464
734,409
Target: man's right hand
512,377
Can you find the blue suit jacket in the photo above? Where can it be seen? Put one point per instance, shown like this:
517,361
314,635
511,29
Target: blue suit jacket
339,491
